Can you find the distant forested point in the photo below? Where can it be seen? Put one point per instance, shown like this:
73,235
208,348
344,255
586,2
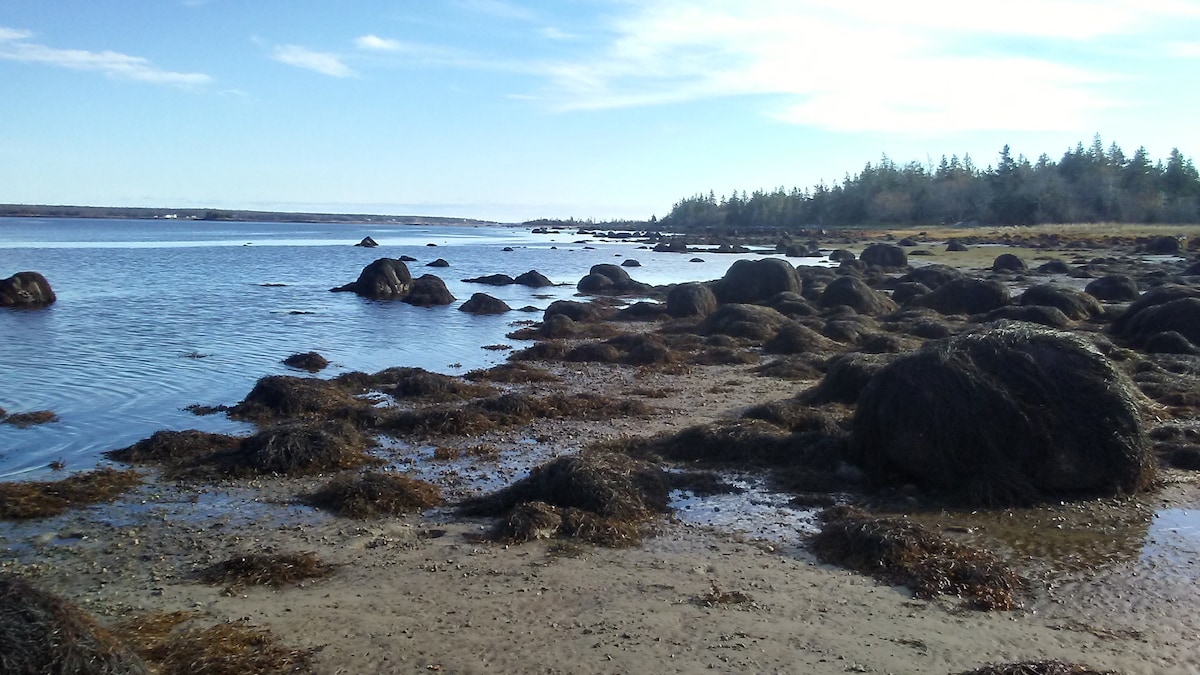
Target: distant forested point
1088,185
221,215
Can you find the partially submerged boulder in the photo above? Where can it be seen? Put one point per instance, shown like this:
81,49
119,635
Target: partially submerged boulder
26,289
384,279
533,279
429,291
310,361
605,278
367,242
482,303
1008,415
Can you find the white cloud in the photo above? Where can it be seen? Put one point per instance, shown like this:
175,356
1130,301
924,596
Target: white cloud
376,43
325,63
14,46
1184,50
914,66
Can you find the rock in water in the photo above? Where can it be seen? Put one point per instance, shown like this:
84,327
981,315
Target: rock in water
386,278
26,289
1003,416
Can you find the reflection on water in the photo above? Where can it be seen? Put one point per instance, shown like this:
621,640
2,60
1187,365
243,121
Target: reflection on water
154,316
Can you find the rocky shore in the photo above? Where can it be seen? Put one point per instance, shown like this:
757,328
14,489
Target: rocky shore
985,444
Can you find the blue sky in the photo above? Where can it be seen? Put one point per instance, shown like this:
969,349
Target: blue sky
510,110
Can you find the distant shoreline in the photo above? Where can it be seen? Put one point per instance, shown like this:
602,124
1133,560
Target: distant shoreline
227,215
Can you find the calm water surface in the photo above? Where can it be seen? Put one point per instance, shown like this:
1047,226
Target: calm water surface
155,315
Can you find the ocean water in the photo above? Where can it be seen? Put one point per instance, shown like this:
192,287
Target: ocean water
153,316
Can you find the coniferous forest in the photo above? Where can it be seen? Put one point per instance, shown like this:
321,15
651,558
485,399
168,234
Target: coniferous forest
1086,185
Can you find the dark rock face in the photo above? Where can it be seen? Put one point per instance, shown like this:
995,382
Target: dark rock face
1075,304
884,255
575,311
1136,328
492,280
482,303
533,279
310,361
691,299
384,279
1113,288
440,262
857,295
1163,246
1054,267
428,291
606,278
841,255
1003,416
630,263
749,281
671,246
1007,262
367,242
26,289
955,246
965,296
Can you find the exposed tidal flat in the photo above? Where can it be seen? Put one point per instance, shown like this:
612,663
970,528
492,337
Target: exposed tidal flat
639,489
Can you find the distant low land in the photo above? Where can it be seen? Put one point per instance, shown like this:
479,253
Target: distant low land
217,215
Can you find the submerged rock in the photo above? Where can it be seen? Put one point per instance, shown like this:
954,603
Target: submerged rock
384,279
482,303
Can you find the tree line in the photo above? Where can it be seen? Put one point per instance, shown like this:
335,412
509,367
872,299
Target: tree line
1087,185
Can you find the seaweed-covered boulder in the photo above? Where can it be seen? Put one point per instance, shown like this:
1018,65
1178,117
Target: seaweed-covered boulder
1124,325
1054,267
428,291
794,337
43,633
884,255
1008,262
1039,314
1007,415
1162,245
907,290
1181,316
841,255
605,278
750,281
386,278
1113,288
533,279
955,246
310,361
575,311
26,289
691,299
965,296
932,276
753,322
857,295
846,376
1077,305
482,303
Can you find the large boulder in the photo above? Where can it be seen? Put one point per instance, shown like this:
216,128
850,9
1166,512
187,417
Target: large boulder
1077,305
1113,288
1163,245
750,281
691,299
1007,415
533,279
491,280
857,295
884,255
26,289
482,303
1130,327
1008,262
606,278
576,311
931,275
1180,316
384,279
965,296
429,291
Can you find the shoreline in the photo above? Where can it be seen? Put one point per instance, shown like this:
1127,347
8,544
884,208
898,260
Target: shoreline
427,592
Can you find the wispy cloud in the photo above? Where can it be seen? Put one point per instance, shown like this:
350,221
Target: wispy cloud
924,65
325,63
16,46
375,43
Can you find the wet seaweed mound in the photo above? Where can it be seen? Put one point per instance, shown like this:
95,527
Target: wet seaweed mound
906,554
1008,415
599,497
43,633
373,494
